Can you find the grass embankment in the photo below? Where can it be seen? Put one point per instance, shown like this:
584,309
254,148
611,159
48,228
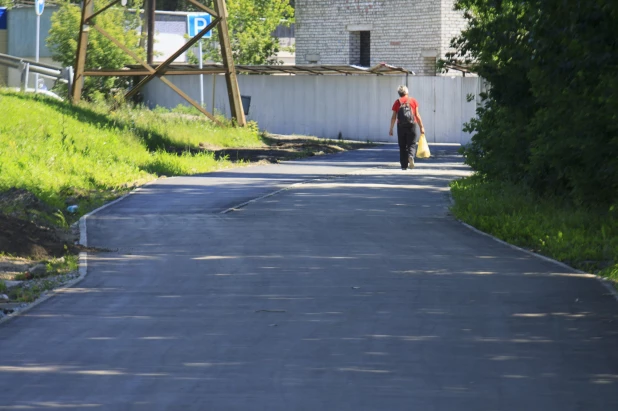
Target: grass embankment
584,238
58,151
54,154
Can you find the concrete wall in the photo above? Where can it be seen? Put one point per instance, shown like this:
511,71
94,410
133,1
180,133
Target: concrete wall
22,31
358,107
405,33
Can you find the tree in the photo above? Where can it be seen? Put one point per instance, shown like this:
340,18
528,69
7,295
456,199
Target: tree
550,118
251,24
101,52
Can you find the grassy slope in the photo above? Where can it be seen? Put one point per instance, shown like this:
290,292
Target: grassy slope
56,150
583,238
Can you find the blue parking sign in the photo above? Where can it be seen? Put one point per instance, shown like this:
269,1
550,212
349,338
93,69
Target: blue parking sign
196,22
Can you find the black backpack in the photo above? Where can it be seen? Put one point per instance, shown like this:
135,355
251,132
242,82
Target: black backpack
405,115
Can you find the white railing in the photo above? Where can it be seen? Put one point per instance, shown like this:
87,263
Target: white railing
25,66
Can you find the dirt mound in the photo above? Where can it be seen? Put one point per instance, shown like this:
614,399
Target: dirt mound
25,230
18,197
26,239
22,204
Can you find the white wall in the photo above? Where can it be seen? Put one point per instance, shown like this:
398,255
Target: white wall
357,106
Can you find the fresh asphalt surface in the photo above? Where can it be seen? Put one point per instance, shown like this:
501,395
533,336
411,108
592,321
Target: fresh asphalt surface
354,292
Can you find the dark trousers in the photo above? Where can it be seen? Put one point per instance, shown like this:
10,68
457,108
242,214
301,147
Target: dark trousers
408,143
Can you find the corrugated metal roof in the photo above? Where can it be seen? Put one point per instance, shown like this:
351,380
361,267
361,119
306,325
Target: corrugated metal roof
309,69
321,69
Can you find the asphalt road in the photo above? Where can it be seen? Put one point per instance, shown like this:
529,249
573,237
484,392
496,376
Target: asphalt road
354,292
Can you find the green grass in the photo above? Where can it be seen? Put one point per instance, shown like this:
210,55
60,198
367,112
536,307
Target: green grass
58,151
186,127
584,238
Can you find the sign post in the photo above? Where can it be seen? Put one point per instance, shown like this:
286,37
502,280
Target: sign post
201,57
196,22
39,6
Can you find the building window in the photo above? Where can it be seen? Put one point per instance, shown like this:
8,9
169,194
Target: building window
365,48
360,48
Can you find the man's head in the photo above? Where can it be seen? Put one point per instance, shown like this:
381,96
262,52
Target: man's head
403,91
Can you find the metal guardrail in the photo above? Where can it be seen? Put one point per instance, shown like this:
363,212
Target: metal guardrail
63,75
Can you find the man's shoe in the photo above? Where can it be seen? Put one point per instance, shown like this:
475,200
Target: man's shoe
411,160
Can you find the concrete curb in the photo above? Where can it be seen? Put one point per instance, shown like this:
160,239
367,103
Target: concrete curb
607,284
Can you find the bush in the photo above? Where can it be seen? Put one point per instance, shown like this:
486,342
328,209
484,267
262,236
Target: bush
101,52
550,119
251,24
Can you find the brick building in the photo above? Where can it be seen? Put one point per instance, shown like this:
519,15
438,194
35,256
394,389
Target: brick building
406,33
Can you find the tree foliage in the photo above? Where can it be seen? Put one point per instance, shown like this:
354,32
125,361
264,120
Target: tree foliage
101,52
251,24
550,118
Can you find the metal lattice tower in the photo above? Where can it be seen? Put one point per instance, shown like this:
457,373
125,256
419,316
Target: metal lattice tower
219,19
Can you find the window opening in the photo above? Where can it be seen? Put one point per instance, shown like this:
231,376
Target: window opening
365,48
360,48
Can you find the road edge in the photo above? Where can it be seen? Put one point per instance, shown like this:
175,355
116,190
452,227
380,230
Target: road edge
83,257
604,282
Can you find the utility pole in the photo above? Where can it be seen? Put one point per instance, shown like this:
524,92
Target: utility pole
150,11
219,18
82,44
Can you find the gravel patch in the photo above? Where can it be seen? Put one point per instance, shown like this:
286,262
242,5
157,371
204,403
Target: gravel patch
39,287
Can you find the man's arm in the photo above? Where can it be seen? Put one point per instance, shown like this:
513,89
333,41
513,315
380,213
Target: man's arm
393,119
419,120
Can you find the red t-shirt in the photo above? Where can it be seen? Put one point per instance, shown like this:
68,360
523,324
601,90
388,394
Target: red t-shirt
400,101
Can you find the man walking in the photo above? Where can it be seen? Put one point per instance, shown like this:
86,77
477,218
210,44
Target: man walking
405,113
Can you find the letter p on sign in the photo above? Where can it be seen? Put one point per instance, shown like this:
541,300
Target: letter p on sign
197,22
